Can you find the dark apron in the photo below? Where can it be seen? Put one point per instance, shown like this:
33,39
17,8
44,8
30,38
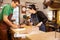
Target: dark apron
4,30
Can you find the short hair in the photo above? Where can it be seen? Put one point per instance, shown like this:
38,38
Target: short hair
16,1
32,7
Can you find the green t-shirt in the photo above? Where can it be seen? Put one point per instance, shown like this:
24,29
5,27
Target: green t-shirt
7,10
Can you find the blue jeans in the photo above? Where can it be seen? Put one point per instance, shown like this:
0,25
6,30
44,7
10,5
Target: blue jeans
42,28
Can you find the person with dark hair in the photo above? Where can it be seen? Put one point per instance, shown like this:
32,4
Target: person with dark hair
38,18
16,1
5,20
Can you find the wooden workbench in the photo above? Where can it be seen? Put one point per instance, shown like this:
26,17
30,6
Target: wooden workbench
37,35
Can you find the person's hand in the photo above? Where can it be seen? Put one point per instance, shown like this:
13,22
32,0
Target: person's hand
39,24
14,26
35,28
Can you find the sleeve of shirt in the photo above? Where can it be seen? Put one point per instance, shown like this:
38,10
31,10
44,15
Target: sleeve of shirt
43,17
6,10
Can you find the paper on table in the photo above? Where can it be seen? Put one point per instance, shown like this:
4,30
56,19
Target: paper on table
19,35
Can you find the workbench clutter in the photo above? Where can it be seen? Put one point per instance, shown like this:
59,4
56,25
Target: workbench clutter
35,35
23,31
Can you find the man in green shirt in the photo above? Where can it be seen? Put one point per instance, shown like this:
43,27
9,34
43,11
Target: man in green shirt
7,10
5,19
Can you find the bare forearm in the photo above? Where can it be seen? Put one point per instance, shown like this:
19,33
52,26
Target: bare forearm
7,21
39,24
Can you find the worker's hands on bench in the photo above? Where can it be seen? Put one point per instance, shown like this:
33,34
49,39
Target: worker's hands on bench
15,26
